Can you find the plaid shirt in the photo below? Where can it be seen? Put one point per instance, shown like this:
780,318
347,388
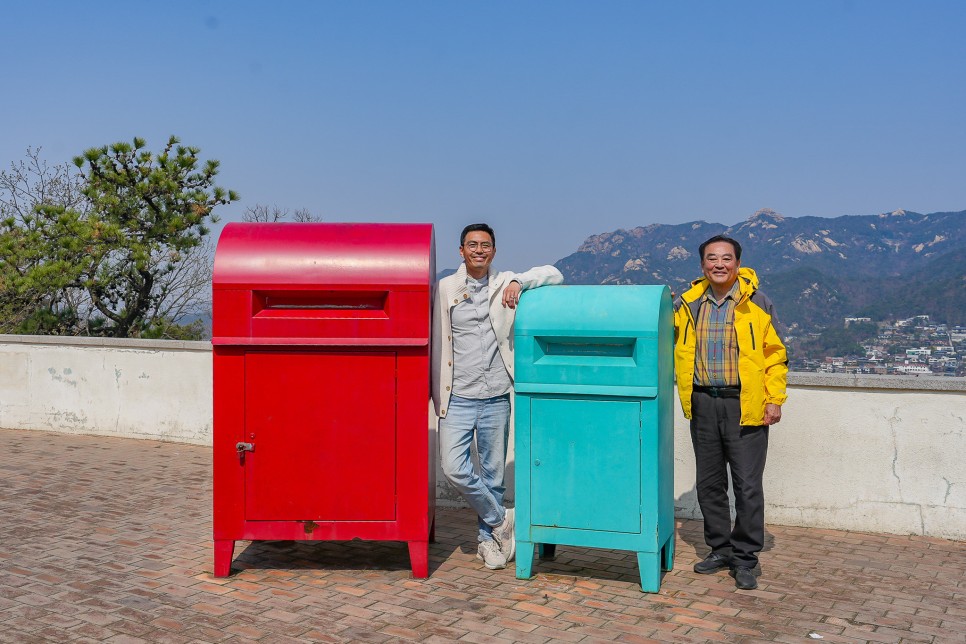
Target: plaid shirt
716,349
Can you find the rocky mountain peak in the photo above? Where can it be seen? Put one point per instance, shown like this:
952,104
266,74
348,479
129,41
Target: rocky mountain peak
853,255
765,216
767,212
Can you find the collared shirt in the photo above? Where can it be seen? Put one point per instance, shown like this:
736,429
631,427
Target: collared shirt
478,369
716,349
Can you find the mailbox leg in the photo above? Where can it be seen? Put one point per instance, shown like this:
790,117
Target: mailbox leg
649,564
524,559
419,558
547,551
667,554
224,549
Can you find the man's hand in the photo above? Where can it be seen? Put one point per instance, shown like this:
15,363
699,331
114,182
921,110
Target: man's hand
511,294
773,413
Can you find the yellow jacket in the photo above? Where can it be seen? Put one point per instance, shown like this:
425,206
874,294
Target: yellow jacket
762,361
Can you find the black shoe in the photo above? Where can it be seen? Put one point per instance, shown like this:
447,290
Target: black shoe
712,564
744,578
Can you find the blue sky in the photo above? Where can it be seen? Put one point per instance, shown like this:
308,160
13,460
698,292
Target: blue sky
551,120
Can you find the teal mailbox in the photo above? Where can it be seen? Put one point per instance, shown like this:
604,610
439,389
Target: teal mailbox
594,423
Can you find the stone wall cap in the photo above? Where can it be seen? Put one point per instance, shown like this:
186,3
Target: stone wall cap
875,381
107,343
795,378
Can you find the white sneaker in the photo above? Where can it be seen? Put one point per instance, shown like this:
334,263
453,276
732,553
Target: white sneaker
503,535
489,553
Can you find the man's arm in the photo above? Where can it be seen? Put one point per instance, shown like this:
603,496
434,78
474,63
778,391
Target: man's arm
533,278
773,414
775,358
539,276
511,294
776,372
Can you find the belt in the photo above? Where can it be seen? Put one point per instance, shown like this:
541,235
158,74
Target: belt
719,392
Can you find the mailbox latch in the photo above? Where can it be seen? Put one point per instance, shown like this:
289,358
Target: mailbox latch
242,448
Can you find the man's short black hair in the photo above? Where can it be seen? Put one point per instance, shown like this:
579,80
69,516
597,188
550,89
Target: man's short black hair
721,238
472,228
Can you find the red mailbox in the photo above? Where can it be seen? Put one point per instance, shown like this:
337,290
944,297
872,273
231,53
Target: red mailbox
321,382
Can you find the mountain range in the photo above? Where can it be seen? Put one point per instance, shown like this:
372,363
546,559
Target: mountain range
817,270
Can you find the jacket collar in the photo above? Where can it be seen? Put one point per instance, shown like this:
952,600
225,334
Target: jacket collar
747,285
461,272
459,286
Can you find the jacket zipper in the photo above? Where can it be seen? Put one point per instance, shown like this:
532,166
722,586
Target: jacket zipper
690,321
752,329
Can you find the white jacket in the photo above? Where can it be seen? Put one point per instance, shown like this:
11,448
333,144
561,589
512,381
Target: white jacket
451,291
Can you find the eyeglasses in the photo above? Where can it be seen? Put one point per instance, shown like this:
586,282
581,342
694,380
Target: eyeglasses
484,246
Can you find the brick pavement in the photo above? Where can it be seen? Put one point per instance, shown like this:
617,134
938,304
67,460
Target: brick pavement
108,540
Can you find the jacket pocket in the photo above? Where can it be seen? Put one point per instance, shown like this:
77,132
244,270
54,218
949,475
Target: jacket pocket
751,329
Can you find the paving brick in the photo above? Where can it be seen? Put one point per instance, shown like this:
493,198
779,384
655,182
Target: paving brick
129,560
485,639
538,609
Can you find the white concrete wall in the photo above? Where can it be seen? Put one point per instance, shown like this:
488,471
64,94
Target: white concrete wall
872,453
868,453
131,388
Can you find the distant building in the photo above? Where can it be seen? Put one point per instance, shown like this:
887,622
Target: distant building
913,369
914,321
849,321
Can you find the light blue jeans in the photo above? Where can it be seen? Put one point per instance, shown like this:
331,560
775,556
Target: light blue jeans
489,419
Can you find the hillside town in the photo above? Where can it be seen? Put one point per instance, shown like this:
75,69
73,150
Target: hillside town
909,347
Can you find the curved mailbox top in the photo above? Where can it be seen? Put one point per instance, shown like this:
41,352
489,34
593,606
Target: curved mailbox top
322,254
632,311
323,284
594,340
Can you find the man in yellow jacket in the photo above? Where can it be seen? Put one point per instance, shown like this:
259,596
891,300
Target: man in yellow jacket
731,366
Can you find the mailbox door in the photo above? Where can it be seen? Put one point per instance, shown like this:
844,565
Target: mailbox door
586,464
323,426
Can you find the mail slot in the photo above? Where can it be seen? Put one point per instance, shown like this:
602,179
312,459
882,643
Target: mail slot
321,376
594,423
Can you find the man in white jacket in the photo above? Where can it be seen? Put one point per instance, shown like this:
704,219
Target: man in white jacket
472,373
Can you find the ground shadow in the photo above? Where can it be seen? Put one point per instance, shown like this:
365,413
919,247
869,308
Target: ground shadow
686,506
593,564
352,555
